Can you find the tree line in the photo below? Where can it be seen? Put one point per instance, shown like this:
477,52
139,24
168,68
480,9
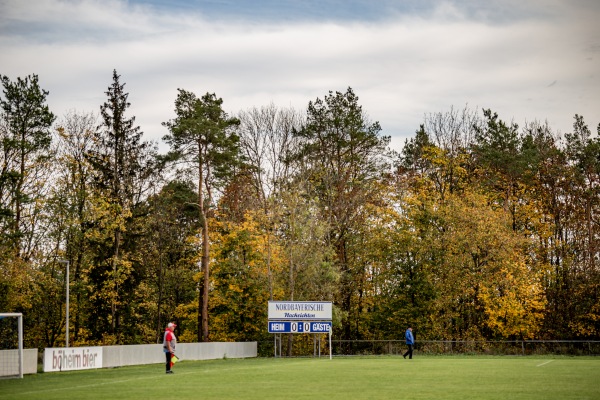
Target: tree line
476,229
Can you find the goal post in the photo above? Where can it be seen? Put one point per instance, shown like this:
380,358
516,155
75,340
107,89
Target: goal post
11,345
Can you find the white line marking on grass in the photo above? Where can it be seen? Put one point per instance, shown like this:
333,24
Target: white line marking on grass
135,379
101,384
544,363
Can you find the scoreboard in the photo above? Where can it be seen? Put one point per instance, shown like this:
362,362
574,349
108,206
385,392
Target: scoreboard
299,326
300,317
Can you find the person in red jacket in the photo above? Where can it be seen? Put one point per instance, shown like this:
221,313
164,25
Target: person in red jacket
169,343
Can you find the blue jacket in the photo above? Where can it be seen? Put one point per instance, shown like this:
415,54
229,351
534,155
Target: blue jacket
409,337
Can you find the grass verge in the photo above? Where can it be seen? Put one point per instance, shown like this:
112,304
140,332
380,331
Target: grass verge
344,378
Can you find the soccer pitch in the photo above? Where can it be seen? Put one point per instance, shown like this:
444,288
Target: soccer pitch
347,378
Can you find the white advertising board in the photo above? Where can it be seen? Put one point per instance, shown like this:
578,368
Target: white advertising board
72,358
300,310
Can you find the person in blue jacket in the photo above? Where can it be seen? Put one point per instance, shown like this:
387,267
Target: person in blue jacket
410,342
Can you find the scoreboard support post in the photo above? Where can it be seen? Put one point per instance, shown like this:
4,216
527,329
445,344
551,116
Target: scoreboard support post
330,356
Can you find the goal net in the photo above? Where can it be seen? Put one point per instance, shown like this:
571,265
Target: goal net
11,345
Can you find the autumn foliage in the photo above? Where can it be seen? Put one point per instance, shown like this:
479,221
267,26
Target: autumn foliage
476,229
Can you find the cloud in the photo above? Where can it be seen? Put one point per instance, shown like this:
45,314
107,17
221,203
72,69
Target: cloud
402,66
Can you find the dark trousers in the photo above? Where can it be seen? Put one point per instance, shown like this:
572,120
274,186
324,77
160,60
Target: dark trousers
409,351
168,355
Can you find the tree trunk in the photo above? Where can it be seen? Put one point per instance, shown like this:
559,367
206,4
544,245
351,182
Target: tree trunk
204,267
160,297
205,252
115,295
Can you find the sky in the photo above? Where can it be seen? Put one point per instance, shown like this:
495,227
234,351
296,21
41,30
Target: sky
527,60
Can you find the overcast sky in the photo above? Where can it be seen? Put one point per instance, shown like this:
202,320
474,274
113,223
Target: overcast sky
526,60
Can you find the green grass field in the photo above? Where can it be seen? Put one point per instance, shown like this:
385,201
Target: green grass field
347,378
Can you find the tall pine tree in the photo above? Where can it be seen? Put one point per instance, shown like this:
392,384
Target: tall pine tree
344,156
24,140
203,140
123,165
